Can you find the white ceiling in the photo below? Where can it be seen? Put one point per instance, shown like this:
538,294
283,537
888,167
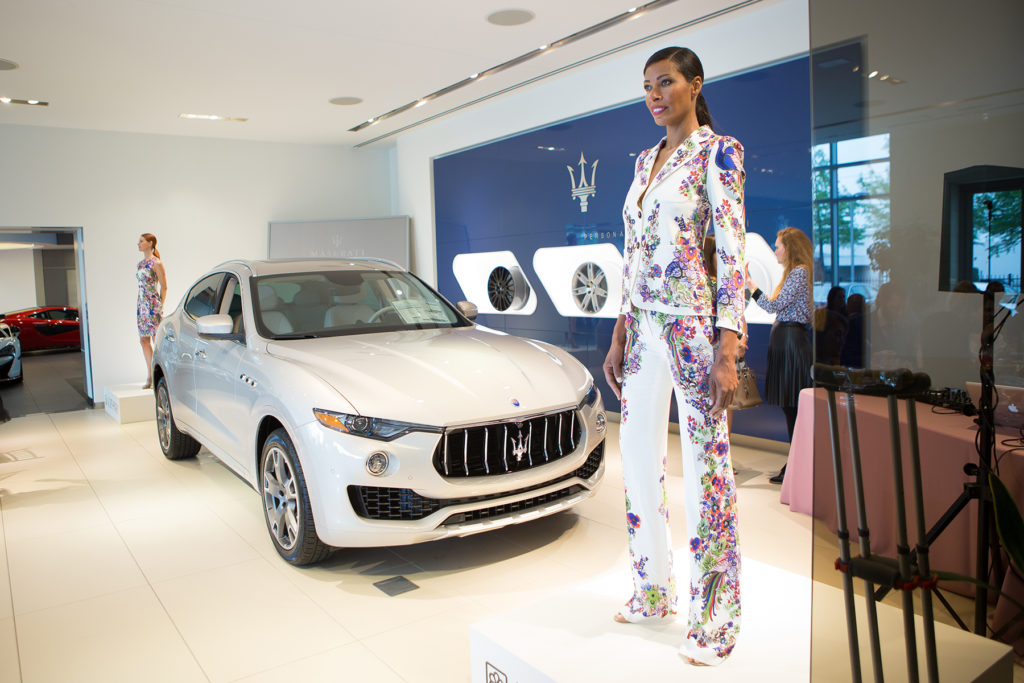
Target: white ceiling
135,65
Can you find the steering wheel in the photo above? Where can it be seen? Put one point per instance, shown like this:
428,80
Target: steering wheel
379,312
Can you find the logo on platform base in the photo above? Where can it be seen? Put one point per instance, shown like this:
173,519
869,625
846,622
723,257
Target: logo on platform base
494,674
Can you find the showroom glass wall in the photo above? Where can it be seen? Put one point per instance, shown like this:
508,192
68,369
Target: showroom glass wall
906,96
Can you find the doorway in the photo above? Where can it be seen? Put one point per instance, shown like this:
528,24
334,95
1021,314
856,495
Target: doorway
42,278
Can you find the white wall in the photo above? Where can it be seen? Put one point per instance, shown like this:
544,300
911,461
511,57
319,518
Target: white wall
17,279
763,33
206,201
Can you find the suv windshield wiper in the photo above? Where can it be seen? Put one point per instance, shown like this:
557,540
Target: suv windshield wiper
297,336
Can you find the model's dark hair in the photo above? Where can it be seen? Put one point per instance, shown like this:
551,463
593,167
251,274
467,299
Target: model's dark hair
688,64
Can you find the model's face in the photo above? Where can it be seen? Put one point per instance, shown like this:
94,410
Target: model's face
670,97
143,244
780,251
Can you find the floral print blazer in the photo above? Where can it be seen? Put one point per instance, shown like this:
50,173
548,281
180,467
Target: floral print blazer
700,188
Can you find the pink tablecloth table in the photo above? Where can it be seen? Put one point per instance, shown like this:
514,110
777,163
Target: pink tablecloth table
947,443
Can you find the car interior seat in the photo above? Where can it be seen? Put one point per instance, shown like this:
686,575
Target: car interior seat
348,308
274,320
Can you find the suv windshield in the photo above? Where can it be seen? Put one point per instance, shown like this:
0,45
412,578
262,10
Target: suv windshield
330,303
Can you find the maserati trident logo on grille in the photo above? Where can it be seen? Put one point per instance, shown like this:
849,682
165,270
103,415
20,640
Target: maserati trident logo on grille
514,401
521,446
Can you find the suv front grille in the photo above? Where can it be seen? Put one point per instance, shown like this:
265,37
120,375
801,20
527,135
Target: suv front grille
502,447
383,503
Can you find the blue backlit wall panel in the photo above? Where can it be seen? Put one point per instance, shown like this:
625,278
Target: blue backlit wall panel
516,195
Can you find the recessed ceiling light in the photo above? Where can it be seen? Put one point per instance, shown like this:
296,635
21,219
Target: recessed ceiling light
420,103
473,75
543,47
346,101
8,65
212,117
510,17
872,74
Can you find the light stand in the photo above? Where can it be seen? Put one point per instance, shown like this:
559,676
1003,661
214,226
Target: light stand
978,488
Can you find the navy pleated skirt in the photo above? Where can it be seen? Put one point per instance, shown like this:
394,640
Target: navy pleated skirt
790,355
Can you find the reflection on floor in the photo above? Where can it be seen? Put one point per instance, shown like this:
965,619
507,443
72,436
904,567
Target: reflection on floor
118,565
54,383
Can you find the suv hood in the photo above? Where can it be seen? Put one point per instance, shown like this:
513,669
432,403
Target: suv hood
441,377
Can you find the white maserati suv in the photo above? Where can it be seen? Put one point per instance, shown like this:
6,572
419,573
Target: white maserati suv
369,411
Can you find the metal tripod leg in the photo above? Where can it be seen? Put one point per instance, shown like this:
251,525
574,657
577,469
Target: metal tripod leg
864,536
924,569
902,549
844,540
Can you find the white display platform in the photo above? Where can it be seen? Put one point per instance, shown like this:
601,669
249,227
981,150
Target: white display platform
572,637
129,403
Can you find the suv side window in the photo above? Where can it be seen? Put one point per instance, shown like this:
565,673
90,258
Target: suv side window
202,299
232,304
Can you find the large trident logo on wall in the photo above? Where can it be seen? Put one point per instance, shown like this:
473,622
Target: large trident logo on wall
583,191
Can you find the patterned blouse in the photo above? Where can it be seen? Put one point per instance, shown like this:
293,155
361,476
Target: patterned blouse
699,189
793,304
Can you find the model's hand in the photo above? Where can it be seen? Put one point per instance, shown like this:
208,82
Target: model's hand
613,361
722,379
746,278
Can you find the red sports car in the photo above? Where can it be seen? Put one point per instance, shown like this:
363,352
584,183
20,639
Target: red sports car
47,327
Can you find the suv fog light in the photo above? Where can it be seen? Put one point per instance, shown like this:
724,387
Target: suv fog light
377,463
600,421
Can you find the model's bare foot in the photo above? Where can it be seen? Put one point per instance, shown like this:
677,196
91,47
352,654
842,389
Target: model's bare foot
694,662
620,618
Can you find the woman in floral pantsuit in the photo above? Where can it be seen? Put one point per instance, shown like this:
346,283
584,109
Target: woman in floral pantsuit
678,332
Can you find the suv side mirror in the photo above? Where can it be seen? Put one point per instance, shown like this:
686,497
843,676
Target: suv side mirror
467,309
218,327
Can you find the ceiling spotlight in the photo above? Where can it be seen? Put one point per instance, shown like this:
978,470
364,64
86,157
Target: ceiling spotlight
15,100
884,77
474,75
856,68
345,101
32,101
5,100
420,103
543,47
631,10
873,74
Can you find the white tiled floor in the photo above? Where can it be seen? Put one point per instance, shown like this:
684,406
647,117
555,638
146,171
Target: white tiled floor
118,565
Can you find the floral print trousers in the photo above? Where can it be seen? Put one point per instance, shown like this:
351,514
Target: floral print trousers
665,352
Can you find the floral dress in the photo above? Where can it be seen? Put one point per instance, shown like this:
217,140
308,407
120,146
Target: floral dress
150,308
674,312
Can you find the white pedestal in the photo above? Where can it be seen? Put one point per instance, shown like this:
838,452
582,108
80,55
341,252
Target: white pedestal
129,403
572,638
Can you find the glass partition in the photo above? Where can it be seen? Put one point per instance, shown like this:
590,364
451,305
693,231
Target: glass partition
917,161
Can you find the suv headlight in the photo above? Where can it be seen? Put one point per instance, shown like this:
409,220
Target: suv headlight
369,427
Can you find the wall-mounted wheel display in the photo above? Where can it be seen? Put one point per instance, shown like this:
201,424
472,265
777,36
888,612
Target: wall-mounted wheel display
589,287
507,288
583,281
495,282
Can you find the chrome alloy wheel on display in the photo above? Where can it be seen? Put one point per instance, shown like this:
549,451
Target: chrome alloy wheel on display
589,287
280,498
507,288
